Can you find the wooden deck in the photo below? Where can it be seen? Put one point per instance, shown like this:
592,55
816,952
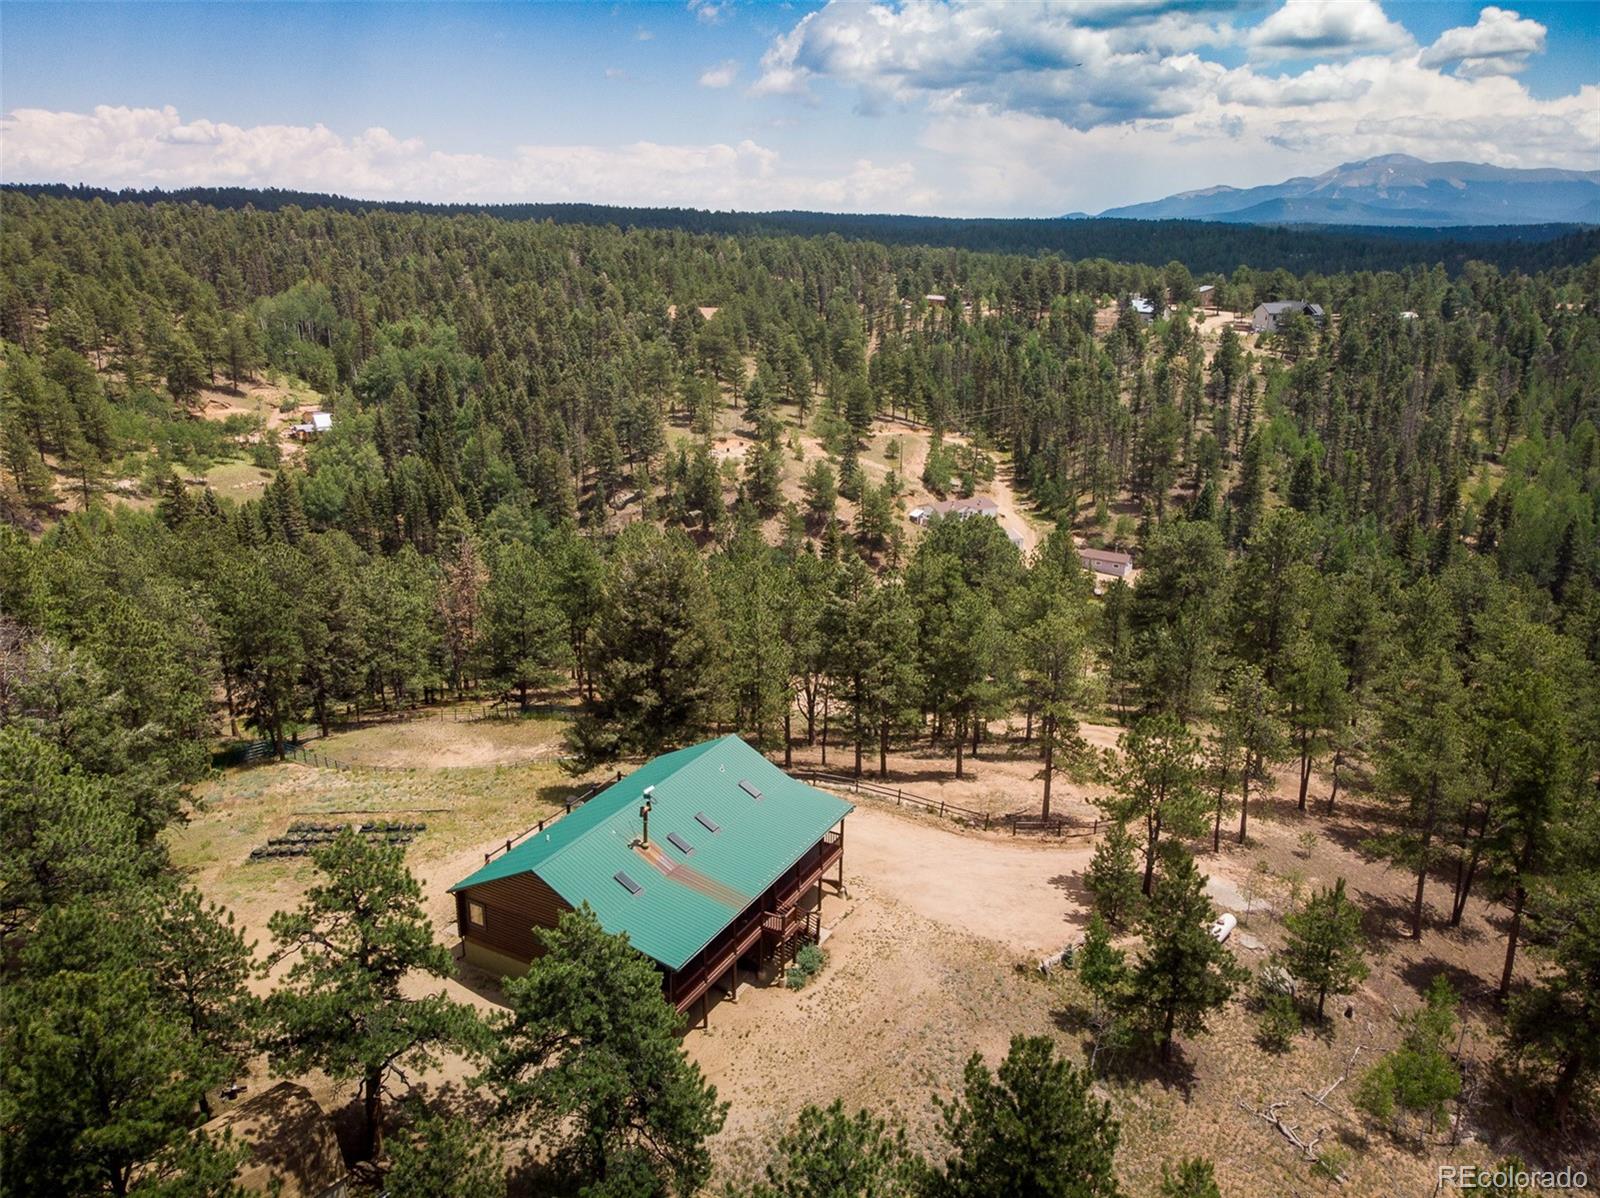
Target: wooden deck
772,926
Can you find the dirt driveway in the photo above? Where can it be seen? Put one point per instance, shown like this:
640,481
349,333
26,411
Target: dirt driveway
1023,894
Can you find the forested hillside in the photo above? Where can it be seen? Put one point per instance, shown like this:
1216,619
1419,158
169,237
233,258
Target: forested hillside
1199,244
1370,546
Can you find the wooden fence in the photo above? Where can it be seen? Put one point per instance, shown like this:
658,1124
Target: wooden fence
1057,825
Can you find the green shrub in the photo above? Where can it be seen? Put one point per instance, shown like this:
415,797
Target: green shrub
808,962
1280,1022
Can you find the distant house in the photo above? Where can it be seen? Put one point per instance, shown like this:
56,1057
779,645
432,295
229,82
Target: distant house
1109,562
1270,318
705,857
933,300
961,509
1206,296
319,423
293,1151
1144,308
1408,314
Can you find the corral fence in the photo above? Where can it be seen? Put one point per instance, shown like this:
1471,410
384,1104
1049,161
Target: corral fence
568,807
1056,825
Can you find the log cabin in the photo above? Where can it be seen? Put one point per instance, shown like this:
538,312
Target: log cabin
705,858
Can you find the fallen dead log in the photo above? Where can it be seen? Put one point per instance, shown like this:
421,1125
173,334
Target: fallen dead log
1291,1132
1321,1096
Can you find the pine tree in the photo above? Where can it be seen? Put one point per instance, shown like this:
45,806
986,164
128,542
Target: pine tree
589,1061
827,1153
344,1007
1325,947
100,1075
205,965
444,1154
459,596
1053,660
653,659
1183,973
1112,877
1554,1025
1031,1129
1423,766
522,624
1195,1177
1156,774
1102,968
821,493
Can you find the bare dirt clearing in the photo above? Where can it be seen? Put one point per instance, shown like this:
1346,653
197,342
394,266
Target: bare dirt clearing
1025,894
923,958
446,744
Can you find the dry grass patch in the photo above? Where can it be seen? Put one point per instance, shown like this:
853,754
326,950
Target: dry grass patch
443,743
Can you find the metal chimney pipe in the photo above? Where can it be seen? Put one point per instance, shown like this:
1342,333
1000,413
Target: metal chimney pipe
644,814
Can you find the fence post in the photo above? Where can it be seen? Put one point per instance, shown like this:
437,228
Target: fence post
941,808
985,821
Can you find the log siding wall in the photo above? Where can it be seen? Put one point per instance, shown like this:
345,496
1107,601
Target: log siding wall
512,908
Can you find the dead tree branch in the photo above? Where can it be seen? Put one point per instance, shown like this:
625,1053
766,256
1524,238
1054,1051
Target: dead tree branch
1291,1132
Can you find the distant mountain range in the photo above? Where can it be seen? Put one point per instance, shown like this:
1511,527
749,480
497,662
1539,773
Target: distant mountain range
1395,189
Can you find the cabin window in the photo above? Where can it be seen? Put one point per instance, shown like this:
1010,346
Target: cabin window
749,788
475,914
679,843
628,883
706,822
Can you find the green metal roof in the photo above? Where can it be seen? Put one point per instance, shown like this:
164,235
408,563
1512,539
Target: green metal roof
580,855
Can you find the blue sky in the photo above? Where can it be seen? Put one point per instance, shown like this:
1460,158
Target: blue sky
963,109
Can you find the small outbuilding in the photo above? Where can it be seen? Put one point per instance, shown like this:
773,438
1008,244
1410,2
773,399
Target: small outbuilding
1109,562
1205,296
293,1152
317,424
704,857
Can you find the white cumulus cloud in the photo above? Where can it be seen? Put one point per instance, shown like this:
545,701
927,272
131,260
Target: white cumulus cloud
721,75
155,147
1499,44
1085,64
1328,28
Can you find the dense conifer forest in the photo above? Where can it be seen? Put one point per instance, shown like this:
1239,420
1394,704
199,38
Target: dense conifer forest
1201,245
1370,543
